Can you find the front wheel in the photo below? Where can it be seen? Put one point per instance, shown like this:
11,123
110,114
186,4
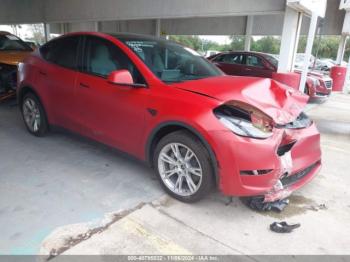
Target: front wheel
34,115
183,166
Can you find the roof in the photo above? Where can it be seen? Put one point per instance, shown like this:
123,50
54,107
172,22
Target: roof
5,33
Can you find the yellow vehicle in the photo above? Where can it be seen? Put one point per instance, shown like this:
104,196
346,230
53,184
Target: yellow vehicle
12,51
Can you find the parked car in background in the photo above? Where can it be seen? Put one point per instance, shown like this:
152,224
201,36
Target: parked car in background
264,65
324,65
209,53
169,106
300,60
12,51
32,44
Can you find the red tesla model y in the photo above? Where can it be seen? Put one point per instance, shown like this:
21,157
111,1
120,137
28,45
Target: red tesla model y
166,105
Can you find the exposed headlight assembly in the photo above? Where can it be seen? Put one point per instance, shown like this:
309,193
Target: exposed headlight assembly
244,120
302,121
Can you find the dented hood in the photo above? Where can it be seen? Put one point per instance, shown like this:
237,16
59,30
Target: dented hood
281,103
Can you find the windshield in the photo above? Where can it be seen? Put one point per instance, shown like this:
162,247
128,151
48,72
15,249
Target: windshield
11,42
171,62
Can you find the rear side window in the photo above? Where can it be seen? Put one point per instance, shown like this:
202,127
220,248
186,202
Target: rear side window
254,61
230,59
62,52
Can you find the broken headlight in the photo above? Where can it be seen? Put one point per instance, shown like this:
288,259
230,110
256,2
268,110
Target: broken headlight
244,120
302,121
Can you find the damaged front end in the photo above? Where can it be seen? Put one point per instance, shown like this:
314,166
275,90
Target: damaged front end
289,176
293,148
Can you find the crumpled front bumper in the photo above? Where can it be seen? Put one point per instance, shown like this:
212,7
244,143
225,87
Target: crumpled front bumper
283,189
273,167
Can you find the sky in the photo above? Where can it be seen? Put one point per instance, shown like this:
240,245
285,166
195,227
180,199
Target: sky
22,32
221,39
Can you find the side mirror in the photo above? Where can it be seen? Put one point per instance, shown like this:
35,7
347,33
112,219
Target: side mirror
121,77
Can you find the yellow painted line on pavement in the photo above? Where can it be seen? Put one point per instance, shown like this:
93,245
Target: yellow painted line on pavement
162,245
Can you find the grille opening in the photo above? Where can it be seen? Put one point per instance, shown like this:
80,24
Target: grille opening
289,180
285,148
328,84
255,172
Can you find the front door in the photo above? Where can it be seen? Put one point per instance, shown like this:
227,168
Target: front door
110,113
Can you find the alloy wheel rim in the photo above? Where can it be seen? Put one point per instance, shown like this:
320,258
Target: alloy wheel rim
180,169
31,114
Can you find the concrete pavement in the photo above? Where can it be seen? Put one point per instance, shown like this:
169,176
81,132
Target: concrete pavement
166,226
60,179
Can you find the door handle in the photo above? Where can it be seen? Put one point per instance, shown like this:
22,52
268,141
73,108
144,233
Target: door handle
84,85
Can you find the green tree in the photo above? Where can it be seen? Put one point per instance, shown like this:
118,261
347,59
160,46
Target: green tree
323,47
237,42
267,44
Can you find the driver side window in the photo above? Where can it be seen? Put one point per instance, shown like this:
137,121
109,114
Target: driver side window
102,57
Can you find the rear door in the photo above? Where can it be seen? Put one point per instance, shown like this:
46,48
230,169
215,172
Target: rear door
57,77
256,66
231,64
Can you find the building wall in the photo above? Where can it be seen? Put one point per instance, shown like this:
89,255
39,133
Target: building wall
209,17
101,10
134,26
233,25
21,11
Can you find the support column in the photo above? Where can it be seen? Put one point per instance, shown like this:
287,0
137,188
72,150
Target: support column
341,49
248,32
290,39
47,31
158,28
96,26
308,50
346,87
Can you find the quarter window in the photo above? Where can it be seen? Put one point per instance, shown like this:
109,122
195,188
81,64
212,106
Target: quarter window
254,61
230,59
62,51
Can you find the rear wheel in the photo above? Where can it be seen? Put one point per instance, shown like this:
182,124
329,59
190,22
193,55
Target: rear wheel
34,115
183,166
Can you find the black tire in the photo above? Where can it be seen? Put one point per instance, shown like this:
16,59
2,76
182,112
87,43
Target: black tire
195,145
306,90
43,126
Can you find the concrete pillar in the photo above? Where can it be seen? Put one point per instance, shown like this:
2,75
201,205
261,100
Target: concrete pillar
248,32
47,31
158,28
308,50
341,49
290,39
346,87
96,26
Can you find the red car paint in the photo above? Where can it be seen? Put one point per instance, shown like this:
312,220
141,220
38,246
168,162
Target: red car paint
318,85
121,117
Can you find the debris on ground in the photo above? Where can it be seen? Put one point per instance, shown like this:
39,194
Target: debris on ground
7,96
257,203
283,227
318,207
229,201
